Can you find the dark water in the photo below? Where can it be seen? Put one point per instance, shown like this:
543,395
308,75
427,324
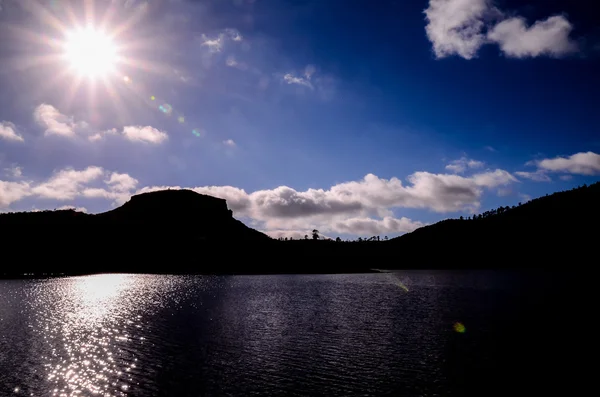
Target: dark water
330,335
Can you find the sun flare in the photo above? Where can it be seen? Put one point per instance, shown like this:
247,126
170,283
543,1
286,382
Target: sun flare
90,52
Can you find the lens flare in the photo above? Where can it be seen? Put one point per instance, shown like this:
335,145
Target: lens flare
166,108
460,328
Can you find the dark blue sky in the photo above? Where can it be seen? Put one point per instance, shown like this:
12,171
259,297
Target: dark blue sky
355,117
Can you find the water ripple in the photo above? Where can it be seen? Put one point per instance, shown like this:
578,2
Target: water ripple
339,335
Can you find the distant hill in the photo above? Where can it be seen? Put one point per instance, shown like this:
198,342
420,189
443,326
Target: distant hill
163,231
180,231
557,229
176,215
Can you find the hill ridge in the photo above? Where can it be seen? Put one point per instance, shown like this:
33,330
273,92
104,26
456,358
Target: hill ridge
557,229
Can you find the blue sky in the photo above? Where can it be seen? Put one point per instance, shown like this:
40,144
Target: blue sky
357,119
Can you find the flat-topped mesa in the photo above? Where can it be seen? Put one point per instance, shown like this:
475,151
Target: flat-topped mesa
180,201
167,221
172,206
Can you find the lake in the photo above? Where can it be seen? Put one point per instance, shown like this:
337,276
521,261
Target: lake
413,333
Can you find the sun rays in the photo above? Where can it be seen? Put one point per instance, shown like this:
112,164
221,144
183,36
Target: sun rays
84,48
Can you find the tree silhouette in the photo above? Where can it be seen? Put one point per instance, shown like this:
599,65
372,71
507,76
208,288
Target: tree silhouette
315,234
306,236
337,239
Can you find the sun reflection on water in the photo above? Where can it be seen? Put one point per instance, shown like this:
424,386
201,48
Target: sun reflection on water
92,329
98,295
87,354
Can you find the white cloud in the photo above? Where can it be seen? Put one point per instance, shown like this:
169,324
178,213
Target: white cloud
144,134
14,171
375,227
121,182
360,226
309,70
537,176
217,43
461,27
133,133
587,163
475,164
237,199
57,123
70,184
492,179
234,34
294,234
72,207
548,37
119,188
460,165
11,192
324,86
455,27
231,61
117,197
566,177
214,44
8,131
101,135
229,142
437,192
66,184
291,79
54,122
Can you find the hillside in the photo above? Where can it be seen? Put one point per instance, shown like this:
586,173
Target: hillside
179,231
553,228
164,231
176,215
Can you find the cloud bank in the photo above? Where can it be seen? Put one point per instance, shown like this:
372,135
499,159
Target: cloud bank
360,207
356,207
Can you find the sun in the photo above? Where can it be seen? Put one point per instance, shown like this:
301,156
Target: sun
90,52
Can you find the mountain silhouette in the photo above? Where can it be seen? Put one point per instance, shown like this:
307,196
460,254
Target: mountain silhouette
178,214
180,231
557,229
158,232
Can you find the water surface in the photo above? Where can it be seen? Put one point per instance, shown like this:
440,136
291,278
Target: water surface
409,334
